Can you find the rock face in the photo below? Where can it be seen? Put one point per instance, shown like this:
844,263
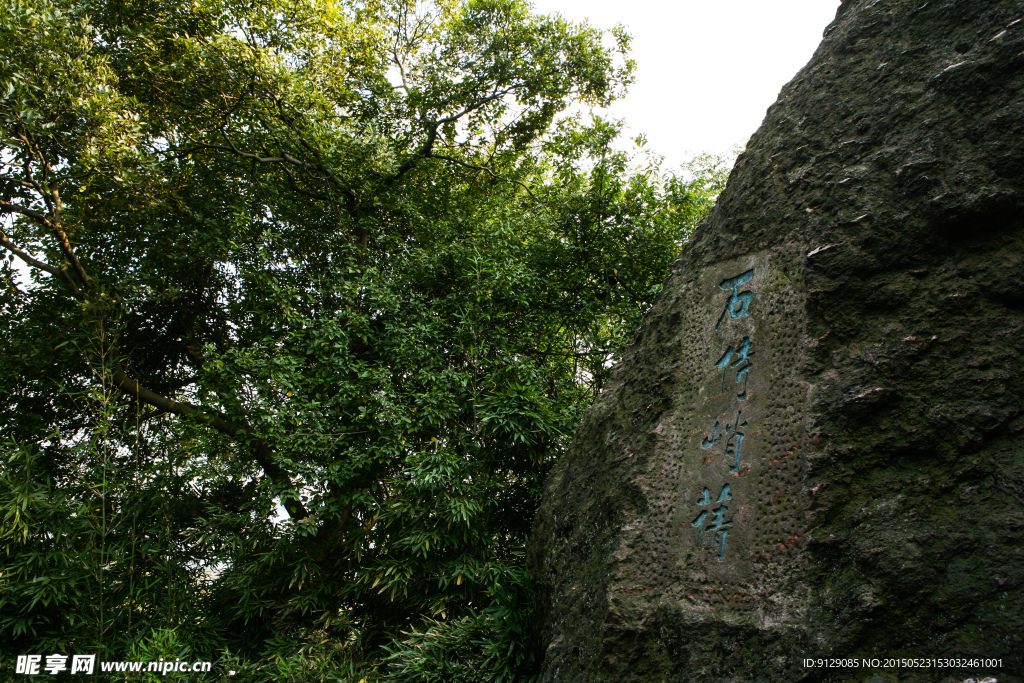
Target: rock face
815,446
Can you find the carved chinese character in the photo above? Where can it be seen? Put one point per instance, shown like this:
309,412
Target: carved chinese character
738,305
733,435
734,444
708,442
738,360
718,525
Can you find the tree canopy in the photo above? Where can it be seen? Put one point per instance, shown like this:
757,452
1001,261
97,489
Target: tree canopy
300,301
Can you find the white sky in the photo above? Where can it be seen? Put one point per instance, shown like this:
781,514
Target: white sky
706,69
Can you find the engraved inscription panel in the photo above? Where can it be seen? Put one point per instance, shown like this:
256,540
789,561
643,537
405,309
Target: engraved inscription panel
724,488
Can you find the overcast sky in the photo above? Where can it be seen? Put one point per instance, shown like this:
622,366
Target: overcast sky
706,69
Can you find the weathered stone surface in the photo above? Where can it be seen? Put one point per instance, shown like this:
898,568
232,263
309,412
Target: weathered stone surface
875,502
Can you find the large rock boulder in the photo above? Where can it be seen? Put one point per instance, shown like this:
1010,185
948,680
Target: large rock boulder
815,446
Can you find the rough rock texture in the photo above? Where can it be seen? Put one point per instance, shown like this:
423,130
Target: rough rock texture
815,447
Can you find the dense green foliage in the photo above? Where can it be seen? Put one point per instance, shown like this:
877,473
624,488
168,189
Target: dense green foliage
318,291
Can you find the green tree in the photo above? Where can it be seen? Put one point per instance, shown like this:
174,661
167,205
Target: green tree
318,291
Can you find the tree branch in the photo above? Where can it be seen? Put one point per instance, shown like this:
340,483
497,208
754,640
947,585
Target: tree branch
7,207
295,188
284,159
495,94
20,181
51,197
460,162
69,254
56,272
261,452
637,299
424,151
